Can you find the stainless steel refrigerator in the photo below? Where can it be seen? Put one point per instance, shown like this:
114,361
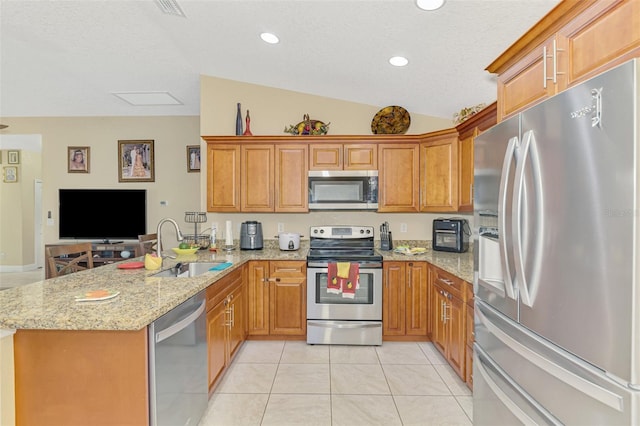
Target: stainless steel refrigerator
557,259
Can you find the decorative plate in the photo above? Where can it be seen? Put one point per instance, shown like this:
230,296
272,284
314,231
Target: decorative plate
391,120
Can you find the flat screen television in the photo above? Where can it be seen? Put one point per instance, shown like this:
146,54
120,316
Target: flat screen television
106,215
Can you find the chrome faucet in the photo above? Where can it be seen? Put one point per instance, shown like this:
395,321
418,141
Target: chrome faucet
178,233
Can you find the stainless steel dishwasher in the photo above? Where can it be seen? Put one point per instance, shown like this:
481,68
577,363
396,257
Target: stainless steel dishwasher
178,388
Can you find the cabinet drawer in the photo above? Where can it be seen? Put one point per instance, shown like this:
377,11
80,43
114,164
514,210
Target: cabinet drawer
217,291
287,269
448,282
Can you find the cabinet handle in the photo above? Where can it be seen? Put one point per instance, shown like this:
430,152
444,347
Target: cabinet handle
544,67
273,280
233,316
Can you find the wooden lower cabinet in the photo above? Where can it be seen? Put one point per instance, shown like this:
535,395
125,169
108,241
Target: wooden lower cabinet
405,301
449,320
226,303
470,337
277,292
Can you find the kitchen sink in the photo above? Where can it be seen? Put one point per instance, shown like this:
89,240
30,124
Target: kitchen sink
191,269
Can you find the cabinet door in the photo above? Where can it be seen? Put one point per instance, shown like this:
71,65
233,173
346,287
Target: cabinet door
258,294
216,340
524,83
257,178
236,320
360,156
465,173
416,299
468,359
439,175
439,337
325,156
604,35
456,344
223,178
292,191
393,299
399,177
288,298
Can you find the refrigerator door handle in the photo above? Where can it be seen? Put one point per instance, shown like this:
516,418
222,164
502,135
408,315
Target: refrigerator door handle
572,379
482,364
527,285
502,216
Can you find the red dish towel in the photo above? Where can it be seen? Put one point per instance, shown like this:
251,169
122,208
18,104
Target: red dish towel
343,278
333,285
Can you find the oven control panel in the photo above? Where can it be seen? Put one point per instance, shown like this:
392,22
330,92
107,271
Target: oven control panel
341,232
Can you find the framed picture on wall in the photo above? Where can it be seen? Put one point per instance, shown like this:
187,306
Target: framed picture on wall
135,161
193,158
13,157
78,159
10,174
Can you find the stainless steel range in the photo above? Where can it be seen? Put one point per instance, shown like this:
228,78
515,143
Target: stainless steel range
344,287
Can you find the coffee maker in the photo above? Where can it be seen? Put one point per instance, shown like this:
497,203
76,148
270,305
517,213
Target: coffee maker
251,235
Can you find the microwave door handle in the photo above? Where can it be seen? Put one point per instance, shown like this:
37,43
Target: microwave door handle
528,283
502,216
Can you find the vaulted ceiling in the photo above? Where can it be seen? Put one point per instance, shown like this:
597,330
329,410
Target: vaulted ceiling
66,58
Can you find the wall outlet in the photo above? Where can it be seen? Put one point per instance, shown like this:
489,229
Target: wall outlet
164,203
280,227
403,227
50,222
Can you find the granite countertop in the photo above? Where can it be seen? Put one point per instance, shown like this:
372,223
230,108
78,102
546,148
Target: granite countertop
458,264
50,304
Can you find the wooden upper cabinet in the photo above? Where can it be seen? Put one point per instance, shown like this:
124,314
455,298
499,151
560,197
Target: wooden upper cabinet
353,156
603,36
223,178
527,82
465,173
360,156
325,156
398,177
291,190
572,43
257,180
439,172
468,130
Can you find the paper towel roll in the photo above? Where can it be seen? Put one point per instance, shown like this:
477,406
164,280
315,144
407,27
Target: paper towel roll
229,234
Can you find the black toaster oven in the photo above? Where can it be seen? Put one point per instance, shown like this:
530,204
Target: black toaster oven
451,235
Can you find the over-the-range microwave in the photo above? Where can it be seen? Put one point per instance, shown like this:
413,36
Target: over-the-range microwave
343,190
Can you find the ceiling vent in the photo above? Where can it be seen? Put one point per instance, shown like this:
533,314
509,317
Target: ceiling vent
170,7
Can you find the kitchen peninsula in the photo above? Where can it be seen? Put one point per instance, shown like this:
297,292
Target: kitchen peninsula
86,362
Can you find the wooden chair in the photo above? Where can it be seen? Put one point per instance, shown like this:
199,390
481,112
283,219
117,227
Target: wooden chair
67,259
148,244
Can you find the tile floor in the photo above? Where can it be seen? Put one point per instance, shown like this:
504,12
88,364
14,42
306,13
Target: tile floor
292,383
15,279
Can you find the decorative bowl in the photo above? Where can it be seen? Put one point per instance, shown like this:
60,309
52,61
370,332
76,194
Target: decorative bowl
180,251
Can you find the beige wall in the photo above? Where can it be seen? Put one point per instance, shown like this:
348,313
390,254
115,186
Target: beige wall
271,111
172,183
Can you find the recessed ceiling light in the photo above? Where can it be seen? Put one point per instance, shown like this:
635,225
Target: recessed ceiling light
270,38
148,98
429,4
398,61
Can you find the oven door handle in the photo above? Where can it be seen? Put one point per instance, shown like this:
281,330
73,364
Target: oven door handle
334,325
